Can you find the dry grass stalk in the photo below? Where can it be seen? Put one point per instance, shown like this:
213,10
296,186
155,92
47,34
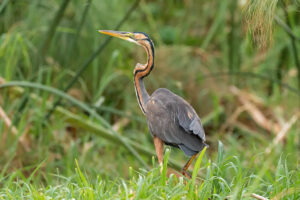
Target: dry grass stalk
256,114
120,124
256,196
8,123
281,135
13,130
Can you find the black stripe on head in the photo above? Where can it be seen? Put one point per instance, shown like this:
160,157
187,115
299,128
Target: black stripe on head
152,48
153,54
145,34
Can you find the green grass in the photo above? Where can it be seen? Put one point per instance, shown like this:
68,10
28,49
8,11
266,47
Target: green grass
96,144
224,177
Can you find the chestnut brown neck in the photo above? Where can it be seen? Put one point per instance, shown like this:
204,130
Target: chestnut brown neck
141,71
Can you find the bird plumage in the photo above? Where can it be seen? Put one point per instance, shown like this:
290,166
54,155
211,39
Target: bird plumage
175,122
170,118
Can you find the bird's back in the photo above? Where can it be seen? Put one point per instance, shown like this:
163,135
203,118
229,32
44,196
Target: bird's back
174,121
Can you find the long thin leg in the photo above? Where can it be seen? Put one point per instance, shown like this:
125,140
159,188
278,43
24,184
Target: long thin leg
186,166
159,148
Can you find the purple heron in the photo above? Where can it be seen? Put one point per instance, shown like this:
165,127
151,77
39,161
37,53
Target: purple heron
171,120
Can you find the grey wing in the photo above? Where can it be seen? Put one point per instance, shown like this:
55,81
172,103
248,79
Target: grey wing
175,122
189,120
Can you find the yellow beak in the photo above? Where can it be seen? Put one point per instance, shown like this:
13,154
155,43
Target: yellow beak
129,36
118,34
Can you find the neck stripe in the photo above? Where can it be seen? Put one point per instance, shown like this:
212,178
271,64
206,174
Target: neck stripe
140,73
148,53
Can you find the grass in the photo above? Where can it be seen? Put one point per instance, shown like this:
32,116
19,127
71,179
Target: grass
214,182
96,144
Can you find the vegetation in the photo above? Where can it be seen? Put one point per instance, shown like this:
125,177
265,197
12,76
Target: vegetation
70,126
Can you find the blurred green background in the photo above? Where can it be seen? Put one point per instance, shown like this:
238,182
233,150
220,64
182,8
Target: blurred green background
236,62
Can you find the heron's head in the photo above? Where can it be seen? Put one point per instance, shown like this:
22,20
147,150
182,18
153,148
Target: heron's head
135,37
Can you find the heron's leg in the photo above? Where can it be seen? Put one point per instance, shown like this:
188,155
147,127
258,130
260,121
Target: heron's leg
159,148
186,166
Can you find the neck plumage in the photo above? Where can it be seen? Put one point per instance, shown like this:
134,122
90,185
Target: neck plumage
142,71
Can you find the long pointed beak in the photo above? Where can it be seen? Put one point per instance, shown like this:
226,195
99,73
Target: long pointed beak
118,34
129,36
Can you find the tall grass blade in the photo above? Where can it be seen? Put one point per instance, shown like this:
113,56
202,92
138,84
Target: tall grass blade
78,30
220,152
35,170
82,178
192,183
293,42
165,167
216,24
52,28
3,5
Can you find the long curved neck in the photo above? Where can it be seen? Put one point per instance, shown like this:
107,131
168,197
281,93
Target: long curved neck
142,71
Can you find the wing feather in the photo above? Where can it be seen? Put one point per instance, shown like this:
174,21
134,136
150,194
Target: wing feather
189,120
182,112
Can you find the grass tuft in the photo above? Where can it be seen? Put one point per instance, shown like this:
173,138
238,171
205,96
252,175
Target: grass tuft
260,17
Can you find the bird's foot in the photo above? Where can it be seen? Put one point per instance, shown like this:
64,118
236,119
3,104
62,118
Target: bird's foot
186,174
